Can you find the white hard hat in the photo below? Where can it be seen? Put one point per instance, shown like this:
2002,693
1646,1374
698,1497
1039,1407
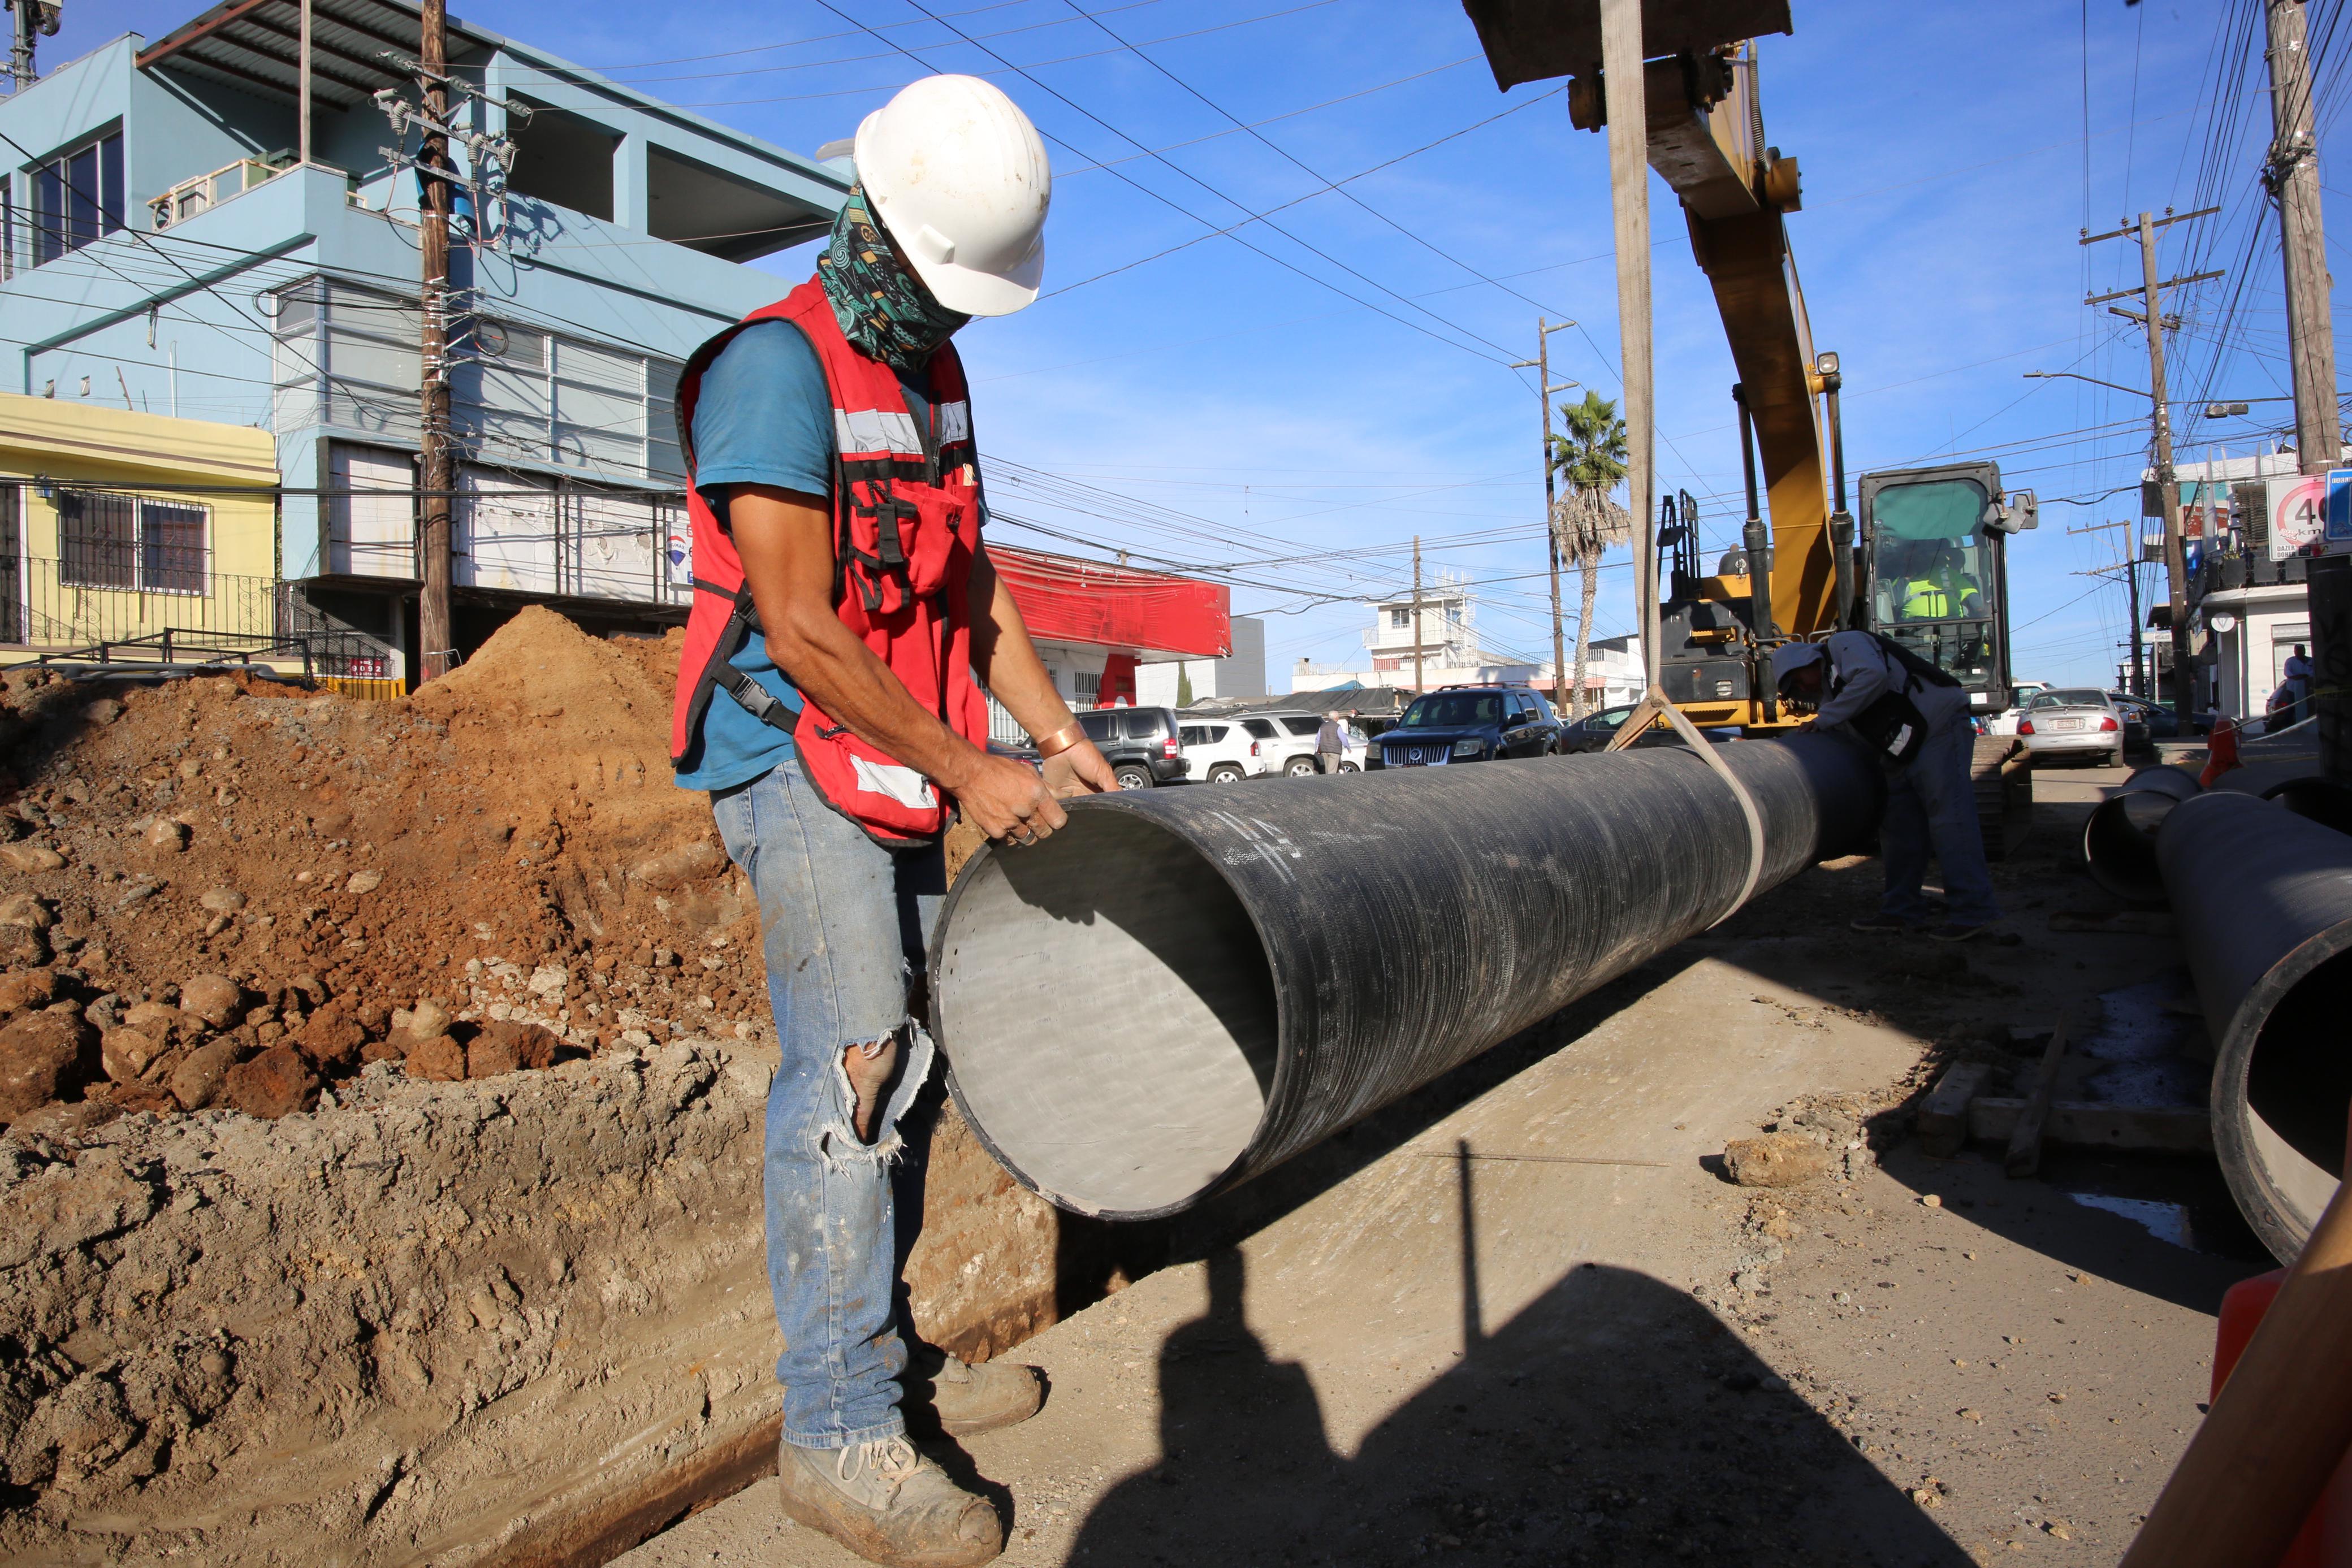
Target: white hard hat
1790,657
958,176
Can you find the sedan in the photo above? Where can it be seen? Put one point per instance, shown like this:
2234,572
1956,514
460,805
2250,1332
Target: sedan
2144,721
1595,730
2072,722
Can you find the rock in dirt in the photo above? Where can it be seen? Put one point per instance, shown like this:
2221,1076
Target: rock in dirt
22,946
126,1053
26,990
31,857
42,1058
105,710
157,1019
425,1020
24,909
440,1059
196,1082
215,999
272,1084
1776,1159
165,836
364,882
223,899
504,1046
686,864
332,1036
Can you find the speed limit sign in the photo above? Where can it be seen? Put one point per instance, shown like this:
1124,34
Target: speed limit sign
2298,516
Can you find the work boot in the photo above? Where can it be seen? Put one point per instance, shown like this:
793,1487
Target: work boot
1956,932
888,1504
1883,925
944,1395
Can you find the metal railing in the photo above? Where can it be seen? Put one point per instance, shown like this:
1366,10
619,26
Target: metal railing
189,197
219,619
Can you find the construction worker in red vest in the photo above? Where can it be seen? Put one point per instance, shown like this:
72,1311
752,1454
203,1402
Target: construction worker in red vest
845,622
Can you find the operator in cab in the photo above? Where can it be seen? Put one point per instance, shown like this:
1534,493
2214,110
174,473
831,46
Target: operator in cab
1915,716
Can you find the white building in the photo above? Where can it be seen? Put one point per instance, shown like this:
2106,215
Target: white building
1447,641
1181,681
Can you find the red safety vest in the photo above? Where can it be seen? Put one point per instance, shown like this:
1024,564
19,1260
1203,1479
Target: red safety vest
907,504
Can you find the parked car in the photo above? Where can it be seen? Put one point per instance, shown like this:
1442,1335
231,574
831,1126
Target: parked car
1220,751
1595,730
1470,723
2144,721
1140,743
2073,721
1288,737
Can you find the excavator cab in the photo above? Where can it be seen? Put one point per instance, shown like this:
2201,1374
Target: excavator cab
1933,569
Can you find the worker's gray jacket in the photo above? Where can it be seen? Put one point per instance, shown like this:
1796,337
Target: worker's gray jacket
1860,672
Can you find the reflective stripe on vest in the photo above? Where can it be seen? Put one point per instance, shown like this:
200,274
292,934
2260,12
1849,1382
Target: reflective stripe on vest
906,530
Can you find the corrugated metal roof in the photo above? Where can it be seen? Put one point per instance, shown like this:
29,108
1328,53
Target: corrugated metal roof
356,46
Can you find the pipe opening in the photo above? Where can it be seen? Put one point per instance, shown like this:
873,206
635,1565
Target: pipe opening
2120,845
2299,1089
1139,1079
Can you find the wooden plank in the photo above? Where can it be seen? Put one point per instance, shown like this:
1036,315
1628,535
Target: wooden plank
2024,1157
1944,1115
2082,1123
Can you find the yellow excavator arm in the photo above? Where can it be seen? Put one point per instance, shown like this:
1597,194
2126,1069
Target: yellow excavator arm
1705,139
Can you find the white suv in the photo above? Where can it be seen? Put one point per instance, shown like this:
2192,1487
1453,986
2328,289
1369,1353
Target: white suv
1221,751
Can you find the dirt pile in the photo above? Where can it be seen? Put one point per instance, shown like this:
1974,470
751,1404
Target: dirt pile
220,892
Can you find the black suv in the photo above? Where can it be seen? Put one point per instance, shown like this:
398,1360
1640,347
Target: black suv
1469,724
1140,744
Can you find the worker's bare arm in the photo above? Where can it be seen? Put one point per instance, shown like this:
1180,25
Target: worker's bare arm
1007,663
785,540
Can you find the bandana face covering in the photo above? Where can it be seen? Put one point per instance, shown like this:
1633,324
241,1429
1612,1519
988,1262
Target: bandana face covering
884,310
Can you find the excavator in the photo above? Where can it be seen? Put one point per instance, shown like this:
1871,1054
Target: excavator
1925,563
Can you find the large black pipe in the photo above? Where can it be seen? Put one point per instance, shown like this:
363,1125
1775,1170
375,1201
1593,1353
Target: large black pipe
2119,841
1183,989
2262,899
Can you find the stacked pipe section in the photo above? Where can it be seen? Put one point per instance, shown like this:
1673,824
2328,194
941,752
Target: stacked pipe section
1182,988
2119,841
2262,898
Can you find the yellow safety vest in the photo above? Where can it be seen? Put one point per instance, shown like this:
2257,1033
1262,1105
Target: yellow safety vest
1926,601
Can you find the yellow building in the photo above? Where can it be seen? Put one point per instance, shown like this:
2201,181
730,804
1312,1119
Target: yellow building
123,528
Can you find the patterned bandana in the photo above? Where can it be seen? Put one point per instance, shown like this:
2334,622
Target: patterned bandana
884,310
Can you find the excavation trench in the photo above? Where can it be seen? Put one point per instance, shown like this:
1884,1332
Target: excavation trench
1182,988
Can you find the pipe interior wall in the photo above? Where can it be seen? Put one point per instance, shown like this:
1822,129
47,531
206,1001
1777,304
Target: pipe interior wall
1184,987
2119,841
2262,901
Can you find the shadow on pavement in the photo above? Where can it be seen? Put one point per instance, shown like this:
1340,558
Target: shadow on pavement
1612,1421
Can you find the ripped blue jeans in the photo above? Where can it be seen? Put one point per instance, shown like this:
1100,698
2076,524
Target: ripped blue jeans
844,923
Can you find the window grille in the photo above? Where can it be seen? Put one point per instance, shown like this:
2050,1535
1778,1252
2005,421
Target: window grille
107,540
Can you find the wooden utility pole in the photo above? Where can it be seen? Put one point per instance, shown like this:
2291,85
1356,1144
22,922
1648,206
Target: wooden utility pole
436,472
1541,364
303,135
2292,174
1416,614
1623,94
2151,316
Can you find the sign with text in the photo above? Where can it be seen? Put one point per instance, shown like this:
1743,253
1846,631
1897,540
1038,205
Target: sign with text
2339,509
2298,515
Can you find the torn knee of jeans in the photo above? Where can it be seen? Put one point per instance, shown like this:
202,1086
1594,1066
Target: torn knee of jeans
839,1139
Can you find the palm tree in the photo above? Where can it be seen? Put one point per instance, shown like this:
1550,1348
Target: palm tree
1591,457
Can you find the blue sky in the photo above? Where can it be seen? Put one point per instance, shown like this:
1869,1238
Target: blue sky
1293,401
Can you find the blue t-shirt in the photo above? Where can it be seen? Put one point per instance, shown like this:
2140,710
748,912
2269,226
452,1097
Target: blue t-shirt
764,416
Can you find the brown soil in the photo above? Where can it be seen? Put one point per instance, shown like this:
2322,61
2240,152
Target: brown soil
505,845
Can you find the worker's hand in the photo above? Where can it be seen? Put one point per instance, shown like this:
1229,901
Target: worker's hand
1007,801
1080,771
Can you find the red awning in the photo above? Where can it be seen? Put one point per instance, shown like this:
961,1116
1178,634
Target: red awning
1065,600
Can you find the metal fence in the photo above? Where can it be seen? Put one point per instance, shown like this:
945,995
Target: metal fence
53,605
